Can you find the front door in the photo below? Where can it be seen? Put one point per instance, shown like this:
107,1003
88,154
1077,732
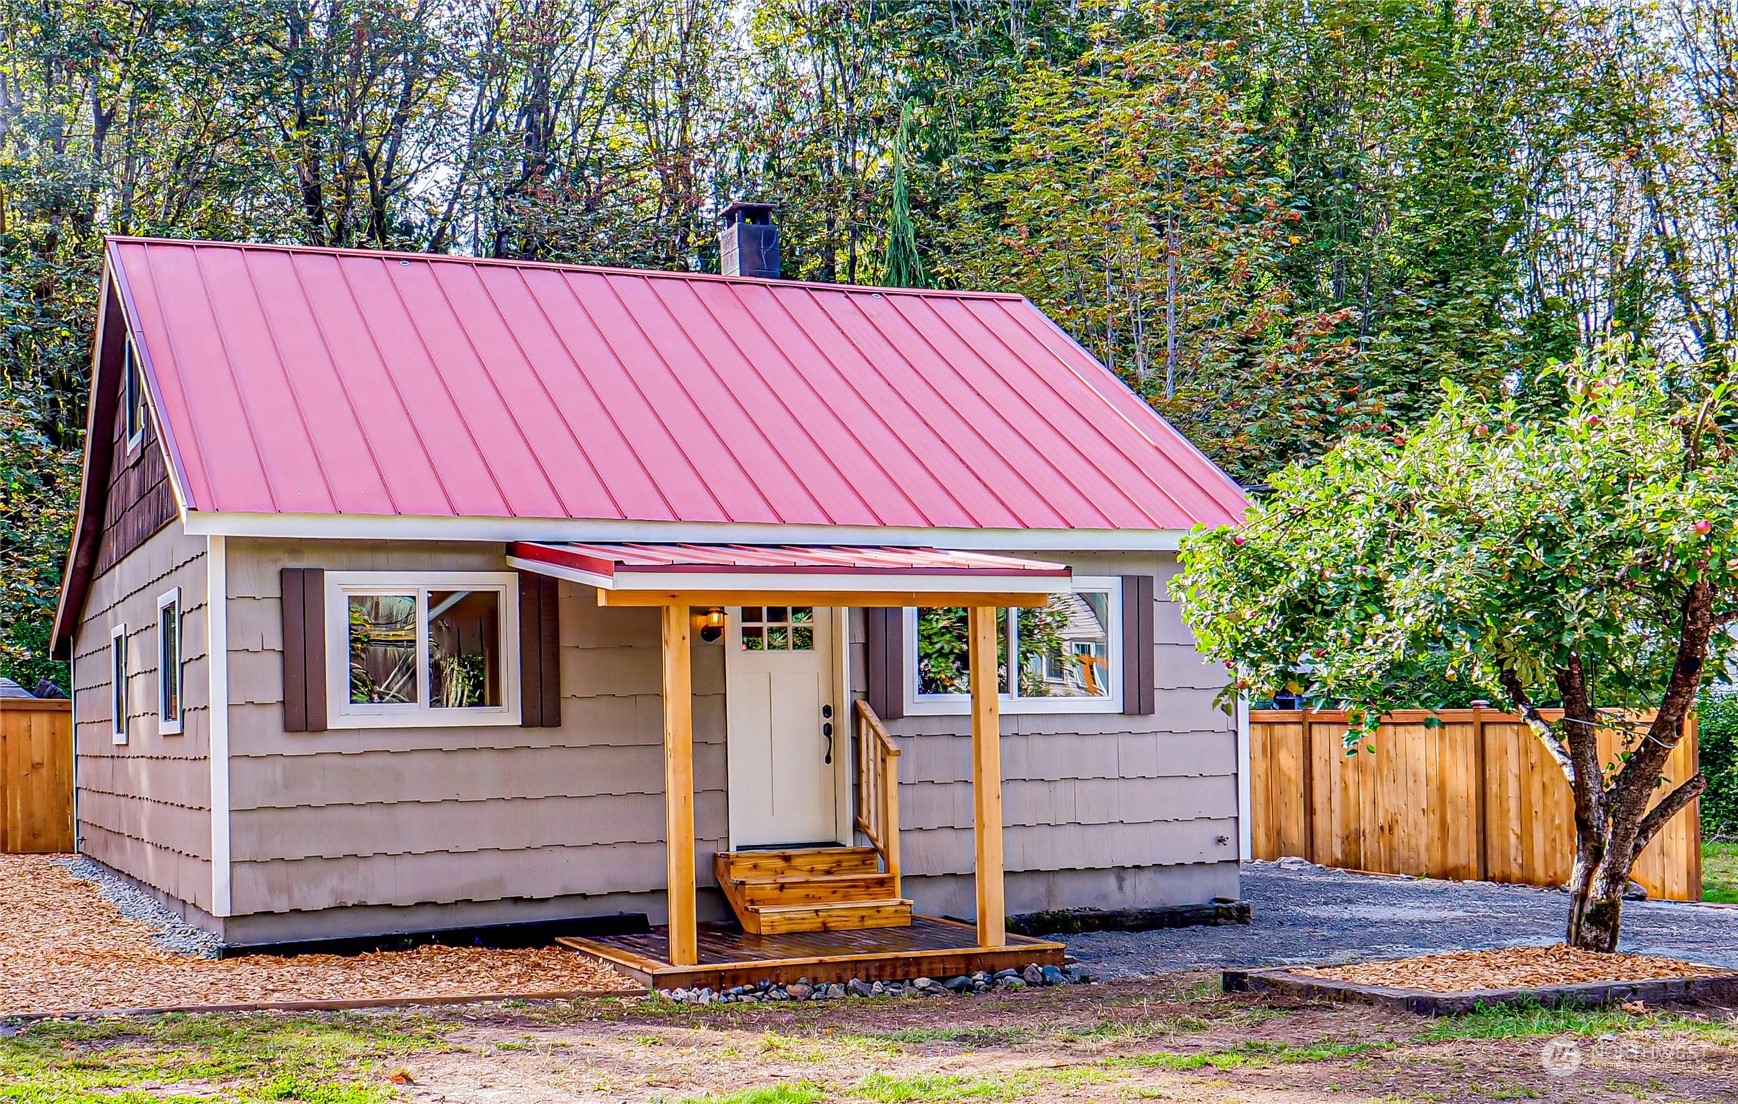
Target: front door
779,707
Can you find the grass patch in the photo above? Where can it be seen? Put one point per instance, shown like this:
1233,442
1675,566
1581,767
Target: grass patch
1534,1021
887,1089
318,1060
980,1035
1253,1053
1720,873
794,1092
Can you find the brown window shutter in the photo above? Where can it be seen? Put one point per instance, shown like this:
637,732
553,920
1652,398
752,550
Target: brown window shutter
1138,597
884,633
539,651
304,592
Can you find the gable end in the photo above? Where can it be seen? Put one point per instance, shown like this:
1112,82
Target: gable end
125,493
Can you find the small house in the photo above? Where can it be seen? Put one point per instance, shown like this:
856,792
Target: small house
416,592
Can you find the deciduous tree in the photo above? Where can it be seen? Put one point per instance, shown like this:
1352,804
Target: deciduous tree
1588,556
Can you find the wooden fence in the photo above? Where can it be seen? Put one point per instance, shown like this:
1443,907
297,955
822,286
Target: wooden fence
1473,797
35,775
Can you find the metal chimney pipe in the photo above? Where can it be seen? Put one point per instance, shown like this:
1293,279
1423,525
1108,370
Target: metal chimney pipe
748,243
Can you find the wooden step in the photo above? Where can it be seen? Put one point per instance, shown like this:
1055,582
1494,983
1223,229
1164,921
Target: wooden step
838,916
743,865
816,889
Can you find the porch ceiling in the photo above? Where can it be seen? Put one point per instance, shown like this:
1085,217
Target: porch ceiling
822,575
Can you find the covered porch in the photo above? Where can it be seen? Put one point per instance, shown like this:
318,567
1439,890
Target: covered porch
796,915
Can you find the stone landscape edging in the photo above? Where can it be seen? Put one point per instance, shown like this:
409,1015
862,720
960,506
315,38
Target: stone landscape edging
1589,994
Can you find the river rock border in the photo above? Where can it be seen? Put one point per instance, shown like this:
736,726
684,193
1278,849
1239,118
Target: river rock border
765,992
1592,994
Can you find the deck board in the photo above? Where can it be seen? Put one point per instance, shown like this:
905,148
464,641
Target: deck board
729,956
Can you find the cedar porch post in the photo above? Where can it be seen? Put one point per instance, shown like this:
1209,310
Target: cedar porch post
987,775
679,786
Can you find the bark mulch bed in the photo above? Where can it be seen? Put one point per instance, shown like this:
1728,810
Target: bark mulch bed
1461,981
64,949
1511,968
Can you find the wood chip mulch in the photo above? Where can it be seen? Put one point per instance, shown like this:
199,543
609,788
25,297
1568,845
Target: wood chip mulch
1510,968
64,948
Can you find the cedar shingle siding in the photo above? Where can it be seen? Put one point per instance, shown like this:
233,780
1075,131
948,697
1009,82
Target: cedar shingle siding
1104,809
435,827
500,823
145,808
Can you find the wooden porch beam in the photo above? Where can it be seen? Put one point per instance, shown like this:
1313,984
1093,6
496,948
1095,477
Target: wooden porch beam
987,775
679,786
860,598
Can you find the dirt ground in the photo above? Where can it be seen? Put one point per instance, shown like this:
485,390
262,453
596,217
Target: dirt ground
1175,1039
1179,1040
64,948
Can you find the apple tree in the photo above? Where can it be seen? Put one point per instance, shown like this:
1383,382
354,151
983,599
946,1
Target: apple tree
1584,557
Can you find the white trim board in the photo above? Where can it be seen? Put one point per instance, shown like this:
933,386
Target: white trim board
376,527
217,666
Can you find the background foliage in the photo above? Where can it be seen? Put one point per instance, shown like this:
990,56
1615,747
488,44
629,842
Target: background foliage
1278,220
1718,734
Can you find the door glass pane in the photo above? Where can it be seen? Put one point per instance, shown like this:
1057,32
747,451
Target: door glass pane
382,648
464,648
1065,647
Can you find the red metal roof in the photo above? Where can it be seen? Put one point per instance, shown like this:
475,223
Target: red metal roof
333,382
615,560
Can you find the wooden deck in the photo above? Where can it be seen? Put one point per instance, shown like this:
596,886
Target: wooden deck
930,947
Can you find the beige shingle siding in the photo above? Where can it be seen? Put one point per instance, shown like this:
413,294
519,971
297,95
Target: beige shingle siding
401,817
145,807
1099,809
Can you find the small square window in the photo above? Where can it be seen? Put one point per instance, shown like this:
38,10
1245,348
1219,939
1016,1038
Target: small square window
169,663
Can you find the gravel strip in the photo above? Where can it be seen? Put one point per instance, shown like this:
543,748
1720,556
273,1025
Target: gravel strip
169,931
1304,914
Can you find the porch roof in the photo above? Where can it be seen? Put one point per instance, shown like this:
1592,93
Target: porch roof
827,574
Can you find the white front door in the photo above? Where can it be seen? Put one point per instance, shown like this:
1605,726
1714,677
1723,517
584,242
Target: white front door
779,678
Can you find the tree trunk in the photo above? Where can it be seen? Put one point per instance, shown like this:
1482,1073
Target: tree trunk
1596,897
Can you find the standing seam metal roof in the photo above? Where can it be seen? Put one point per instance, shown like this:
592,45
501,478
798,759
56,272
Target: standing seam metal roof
313,381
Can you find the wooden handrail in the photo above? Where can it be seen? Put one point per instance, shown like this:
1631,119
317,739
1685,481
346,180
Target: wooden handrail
878,788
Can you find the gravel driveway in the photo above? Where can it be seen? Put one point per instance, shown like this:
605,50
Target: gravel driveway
1313,915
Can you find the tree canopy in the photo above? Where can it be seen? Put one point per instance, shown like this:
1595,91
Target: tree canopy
1279,221
1588,556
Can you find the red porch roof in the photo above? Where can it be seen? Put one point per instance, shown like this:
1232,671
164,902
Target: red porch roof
292,381
656,565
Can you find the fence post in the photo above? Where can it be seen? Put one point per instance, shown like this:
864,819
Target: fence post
1694,736
1308,772
1482,781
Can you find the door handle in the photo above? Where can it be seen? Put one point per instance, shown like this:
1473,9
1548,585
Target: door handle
827,731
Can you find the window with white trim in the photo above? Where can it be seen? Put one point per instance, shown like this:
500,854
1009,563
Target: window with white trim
118,683
133,395
1067,655
169,663
422,648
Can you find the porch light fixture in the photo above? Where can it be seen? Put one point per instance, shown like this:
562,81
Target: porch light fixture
712,624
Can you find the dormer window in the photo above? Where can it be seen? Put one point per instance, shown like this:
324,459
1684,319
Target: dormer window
133,397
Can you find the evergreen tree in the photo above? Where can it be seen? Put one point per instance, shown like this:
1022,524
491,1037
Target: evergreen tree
902,266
